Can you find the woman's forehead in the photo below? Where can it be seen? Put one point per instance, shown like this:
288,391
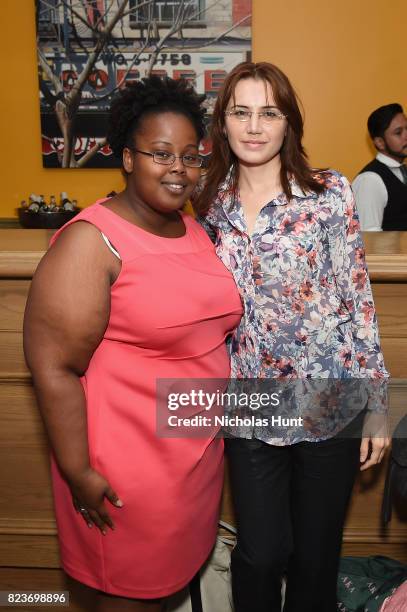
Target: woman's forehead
253,92
166,126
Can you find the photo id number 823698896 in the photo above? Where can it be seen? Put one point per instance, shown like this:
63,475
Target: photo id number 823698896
16,599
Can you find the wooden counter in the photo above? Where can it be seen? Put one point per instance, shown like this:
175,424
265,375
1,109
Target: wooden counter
386,256
21,250
28,545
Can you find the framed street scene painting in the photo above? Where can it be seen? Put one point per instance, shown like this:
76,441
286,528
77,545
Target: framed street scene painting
88,49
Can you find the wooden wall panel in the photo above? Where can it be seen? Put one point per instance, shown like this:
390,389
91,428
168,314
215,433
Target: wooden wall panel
12,363
22,550
391,306
13,296
395,355
26,500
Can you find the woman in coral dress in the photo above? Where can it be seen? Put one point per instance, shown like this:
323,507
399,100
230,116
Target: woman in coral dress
127,295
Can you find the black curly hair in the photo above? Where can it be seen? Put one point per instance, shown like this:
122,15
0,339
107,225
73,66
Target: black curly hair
151,95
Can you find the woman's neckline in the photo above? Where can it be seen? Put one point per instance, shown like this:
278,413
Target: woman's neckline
137,227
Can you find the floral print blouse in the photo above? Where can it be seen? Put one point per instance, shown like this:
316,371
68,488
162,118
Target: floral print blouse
303,280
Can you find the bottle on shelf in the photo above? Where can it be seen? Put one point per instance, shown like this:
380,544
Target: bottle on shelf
33,205
53,206
66,203
43,204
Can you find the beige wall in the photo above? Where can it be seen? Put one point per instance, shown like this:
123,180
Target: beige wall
330,50
345,58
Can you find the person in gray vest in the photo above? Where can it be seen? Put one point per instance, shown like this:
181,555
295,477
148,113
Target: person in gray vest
381,187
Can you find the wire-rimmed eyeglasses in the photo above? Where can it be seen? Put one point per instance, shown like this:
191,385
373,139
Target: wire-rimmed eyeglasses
191,160
268,116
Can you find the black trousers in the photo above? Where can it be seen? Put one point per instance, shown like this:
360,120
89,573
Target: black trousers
290,504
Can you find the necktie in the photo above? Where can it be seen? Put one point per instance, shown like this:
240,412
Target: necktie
403,170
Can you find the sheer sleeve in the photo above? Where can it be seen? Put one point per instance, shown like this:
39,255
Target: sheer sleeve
352,280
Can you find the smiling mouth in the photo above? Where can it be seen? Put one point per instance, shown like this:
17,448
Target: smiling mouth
175,187
254,142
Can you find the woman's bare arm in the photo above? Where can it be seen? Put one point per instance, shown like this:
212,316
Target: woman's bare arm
66,315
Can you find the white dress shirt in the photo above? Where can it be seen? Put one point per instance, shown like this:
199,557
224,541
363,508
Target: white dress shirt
371,194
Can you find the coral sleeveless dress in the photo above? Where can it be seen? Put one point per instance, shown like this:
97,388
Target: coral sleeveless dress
172,306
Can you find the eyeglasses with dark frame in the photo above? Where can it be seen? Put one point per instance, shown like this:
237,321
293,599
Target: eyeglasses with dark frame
268,116
191,160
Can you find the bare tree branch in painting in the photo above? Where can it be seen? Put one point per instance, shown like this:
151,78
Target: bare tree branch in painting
67,104
91,153
48,71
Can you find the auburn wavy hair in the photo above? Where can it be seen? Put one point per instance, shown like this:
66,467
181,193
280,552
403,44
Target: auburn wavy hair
294,161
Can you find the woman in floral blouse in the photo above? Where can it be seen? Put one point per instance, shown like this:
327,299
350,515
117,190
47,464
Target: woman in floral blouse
290,236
